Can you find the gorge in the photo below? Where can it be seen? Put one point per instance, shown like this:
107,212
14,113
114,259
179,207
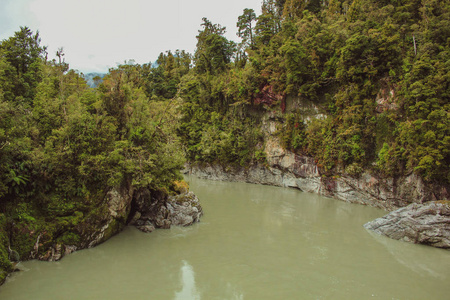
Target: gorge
342,99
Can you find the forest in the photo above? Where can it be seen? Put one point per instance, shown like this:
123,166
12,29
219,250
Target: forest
379,71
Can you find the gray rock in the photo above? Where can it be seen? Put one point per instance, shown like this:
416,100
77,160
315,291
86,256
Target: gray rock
427,224
135,219
69,249
179,210
287,169
119,201
55,253
147,227
184,209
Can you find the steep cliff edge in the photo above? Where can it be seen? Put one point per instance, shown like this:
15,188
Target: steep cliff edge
144,208
287,169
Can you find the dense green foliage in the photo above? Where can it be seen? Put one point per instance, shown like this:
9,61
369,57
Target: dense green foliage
63,146
351,54
5,265
379,69
215,126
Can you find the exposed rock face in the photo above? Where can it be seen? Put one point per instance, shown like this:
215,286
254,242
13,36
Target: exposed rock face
145,209
285,168
180,210
184,209
96,228
148,209
427,224
302,173
57,252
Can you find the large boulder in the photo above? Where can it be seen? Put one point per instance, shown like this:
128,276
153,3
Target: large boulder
184,209
427,224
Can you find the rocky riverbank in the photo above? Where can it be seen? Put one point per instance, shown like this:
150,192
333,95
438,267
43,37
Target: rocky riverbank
144,208
180,210
287,169
424,221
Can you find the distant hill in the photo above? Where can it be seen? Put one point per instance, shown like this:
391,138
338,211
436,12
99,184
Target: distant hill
90,79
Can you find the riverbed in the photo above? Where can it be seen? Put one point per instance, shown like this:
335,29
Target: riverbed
254,242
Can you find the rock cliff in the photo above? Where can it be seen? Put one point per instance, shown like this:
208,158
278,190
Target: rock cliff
287,169
144,208
102,223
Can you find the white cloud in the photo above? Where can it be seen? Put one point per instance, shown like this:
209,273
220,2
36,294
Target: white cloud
97,34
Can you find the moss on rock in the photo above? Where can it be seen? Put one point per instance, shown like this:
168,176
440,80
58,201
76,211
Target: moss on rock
114,227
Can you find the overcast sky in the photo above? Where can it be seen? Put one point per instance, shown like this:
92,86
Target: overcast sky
98,34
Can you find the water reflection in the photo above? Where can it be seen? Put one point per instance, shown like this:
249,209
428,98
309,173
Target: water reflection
190,291
188,287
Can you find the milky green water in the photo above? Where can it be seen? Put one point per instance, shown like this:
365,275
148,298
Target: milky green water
254,242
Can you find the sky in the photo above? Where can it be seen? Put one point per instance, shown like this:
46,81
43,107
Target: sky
100,34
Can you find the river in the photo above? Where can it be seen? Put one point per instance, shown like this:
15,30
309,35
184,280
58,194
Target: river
254,242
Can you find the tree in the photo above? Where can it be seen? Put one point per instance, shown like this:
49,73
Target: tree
23,53
268,23
245,26
213,51
161,81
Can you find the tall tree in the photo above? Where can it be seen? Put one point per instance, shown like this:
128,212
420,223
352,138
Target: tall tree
245,26
268,23
23,53
214,51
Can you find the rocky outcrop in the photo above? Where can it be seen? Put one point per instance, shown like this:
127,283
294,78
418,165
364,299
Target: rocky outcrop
287,169
427,224
57,252
98,226
144,208
179,210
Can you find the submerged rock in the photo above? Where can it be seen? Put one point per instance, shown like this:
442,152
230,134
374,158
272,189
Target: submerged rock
146,226
427,224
